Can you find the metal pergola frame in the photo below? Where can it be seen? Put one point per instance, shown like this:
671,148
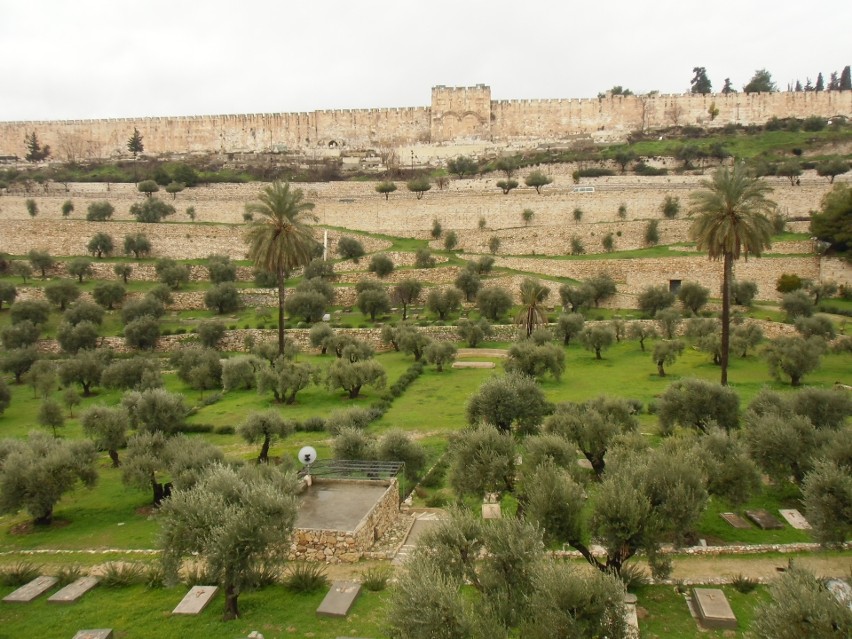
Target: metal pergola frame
353,469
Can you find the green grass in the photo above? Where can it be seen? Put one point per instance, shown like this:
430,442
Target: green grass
137,612
665,613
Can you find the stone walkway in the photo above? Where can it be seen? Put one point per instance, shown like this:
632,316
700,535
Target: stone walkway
423,522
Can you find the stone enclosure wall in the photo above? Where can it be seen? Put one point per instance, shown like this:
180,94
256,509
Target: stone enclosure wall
456,115
338,546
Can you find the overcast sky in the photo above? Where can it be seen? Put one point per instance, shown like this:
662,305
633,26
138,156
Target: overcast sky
117,58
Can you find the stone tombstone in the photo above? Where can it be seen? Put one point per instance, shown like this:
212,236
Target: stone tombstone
99,633
795,518
30,591
841,591
712,608
735,520
195,600
491,511
764,519
630,615
339,599
73,591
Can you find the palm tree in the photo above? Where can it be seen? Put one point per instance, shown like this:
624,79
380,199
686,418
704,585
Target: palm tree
729,223
281,240
533,294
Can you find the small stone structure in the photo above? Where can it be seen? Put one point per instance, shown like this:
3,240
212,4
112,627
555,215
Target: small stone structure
347,546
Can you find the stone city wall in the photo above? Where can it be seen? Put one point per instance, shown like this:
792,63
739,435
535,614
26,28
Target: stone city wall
456,115
336,546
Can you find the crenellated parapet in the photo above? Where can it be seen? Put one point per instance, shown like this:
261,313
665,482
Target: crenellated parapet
456,115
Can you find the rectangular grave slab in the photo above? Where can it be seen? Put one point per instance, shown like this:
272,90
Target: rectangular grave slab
491,511
735,520
764,519
195,600
73,591
98,633
30,591
631,616
712,607
339,599
795,518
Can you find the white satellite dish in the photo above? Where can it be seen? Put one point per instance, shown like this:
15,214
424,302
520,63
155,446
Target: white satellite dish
308,455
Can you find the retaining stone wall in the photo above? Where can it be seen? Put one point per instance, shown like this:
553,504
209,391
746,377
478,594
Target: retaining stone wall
335,546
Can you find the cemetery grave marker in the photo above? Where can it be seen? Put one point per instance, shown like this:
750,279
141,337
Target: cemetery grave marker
735,520
73,591
712,608
339,599
30,591
195,600
764,519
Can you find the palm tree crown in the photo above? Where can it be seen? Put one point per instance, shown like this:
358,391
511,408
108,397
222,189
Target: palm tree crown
730,223
533,294
730,214
280,241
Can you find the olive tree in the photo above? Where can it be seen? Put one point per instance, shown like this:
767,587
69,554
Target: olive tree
827,492
794,357
592,426
264,427
36,472
800,605
232,519
106,426
695,403
597,339
666,353
507,402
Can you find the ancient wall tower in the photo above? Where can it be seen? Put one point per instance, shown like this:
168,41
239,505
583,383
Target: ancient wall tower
460,113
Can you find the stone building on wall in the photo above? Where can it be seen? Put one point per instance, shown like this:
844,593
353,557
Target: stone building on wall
457,116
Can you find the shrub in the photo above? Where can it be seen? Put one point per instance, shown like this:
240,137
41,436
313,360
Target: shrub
19,573
381,265
99,211
670,207
305,578
68,574
594,171
376,578
120,574
743,584
348,248
423,258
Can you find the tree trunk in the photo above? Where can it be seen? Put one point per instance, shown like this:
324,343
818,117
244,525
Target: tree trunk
232,610
597,462
726,316
353,392
281,294
159,492
264,451
598,353
46,519
660,369
113,455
